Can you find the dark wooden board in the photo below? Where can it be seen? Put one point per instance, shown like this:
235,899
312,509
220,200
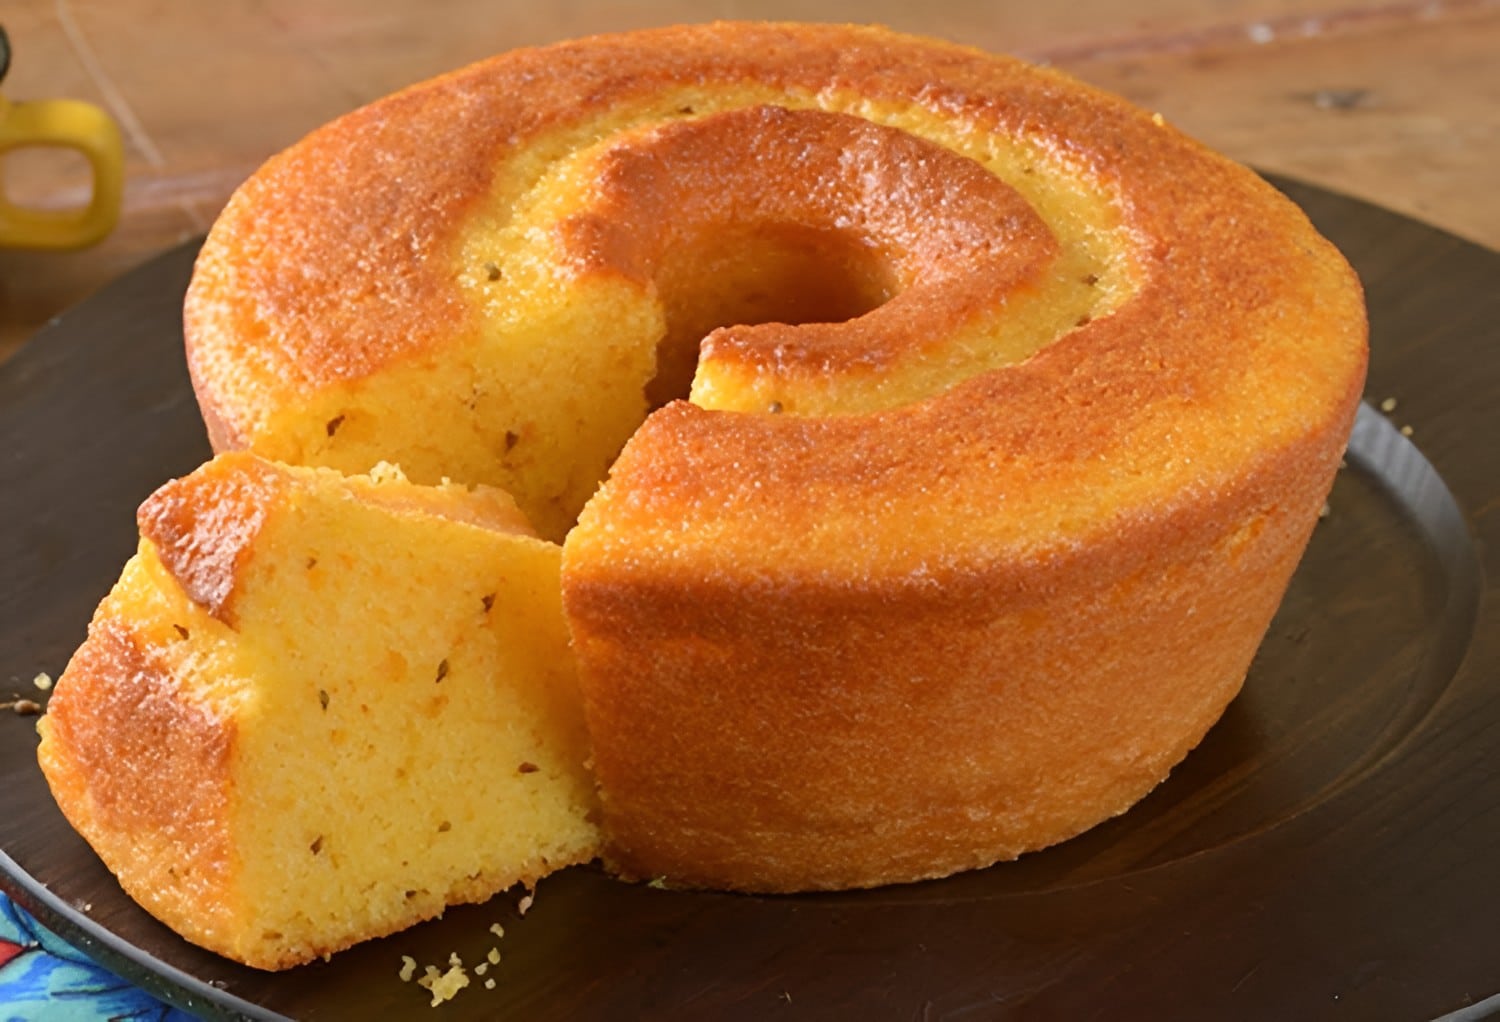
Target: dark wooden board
1329,852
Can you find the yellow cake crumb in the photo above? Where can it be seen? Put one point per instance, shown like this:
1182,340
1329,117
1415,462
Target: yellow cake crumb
445,986
1407,431
43,681
1388,405
408,968
497,929
494,956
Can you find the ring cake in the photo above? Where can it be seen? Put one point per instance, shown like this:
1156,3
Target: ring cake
962,428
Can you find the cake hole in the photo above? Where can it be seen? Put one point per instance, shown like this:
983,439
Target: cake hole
764,273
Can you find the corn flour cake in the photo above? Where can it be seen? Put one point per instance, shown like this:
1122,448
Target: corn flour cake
317,709
926,440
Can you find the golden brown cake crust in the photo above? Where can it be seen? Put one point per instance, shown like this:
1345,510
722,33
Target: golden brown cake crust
204,526
144,776
323,269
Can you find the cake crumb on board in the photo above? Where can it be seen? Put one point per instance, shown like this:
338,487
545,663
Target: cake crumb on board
444,986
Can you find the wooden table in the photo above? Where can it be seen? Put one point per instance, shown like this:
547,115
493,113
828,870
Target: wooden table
1396,102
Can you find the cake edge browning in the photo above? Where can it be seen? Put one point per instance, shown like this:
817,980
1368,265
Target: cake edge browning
803,765
144,774
203,526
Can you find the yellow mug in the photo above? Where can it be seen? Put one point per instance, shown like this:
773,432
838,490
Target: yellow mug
69,124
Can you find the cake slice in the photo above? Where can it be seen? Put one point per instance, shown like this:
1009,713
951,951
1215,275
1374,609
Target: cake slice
317,709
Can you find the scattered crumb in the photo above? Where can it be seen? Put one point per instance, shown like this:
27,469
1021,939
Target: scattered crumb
497,929
1158,120
524,904
1324,511
23,707
786,995
493,956
445,985
1388,405
481,968
1343,464
1407,431
489,984
408,968
43,681
453,960
659,883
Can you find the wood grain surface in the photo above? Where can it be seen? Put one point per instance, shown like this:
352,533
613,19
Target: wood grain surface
1394,102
